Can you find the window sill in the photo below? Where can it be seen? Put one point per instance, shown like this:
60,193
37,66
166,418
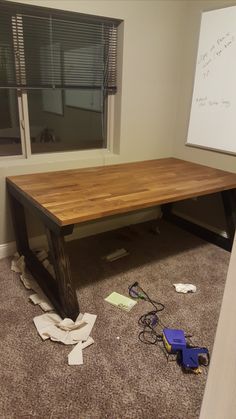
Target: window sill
82,158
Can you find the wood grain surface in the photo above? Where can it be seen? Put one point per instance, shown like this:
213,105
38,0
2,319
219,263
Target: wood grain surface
74,196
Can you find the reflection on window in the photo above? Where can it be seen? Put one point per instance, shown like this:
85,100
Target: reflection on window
10,141
66,120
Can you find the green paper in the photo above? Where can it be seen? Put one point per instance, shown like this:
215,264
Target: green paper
118,300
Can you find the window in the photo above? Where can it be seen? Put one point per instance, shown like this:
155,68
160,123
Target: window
57,70
10,140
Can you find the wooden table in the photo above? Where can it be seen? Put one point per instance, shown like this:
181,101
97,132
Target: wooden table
65,198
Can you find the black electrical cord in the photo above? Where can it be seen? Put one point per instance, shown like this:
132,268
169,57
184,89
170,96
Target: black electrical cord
150,320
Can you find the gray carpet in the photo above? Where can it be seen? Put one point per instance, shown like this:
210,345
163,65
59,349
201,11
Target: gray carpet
120,378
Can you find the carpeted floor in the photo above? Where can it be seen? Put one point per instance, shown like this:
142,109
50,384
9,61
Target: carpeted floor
120,378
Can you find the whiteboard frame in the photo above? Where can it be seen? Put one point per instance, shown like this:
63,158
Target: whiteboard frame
188,144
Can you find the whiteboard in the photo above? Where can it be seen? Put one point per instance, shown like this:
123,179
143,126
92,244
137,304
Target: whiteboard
212,122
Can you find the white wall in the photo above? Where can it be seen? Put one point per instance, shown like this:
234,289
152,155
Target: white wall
150,78
189,52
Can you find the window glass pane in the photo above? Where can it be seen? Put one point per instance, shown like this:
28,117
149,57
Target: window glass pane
10,141
66,120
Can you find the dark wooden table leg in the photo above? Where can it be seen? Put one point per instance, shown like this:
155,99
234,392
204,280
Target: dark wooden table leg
59,290
19,224
61,264
229,203
226,243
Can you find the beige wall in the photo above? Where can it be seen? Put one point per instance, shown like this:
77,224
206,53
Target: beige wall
150,87
188,56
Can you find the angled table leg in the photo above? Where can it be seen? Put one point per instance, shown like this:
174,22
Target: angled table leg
229,204
61,266
19,225
59,290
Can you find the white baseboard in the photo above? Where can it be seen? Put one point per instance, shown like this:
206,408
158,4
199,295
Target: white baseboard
85,230
8,249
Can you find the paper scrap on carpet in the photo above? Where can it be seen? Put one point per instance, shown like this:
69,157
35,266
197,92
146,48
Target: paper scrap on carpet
184,288
117,254
75,357
18,265
50,325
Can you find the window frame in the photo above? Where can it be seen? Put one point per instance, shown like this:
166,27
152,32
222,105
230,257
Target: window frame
28,156
110,119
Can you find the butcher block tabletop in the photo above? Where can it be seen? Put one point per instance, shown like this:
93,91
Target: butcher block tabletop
79,195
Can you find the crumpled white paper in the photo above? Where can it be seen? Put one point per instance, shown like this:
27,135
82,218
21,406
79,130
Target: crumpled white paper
41,300
18,265
184,288
75,357
50,325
